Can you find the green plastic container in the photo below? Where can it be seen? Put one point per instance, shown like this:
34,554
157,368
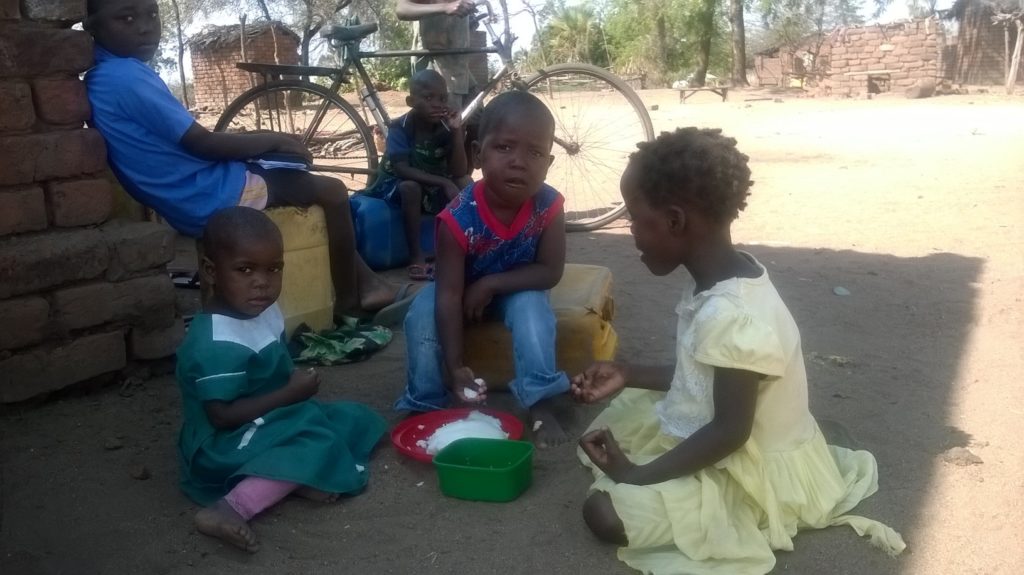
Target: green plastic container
485,469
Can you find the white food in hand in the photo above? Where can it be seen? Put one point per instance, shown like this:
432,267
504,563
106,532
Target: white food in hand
536,424
476,424
470,393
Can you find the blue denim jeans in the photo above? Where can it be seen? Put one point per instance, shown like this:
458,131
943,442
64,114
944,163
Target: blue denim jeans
526,314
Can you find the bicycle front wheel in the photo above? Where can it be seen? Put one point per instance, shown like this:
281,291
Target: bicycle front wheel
340,141
598,122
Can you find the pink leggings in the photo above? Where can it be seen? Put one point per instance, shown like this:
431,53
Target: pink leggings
254,494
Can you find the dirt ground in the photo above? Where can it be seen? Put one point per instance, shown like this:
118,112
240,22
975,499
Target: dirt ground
915,207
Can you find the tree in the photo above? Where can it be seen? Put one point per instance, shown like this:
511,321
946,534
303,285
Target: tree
181,52
705,32
572,34
794,22
174,17
739,43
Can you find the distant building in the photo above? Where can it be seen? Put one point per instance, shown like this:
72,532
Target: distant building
217,49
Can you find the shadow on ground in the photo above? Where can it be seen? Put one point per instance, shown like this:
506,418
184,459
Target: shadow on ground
71,505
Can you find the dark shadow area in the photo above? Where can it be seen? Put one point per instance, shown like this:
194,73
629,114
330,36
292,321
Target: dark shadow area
884,365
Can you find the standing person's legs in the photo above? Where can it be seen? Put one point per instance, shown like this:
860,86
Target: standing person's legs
529,317
425,389
355,284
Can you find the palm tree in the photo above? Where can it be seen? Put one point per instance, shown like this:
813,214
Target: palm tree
570,33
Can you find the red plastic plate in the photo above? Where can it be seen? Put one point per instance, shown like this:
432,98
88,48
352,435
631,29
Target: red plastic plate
405,435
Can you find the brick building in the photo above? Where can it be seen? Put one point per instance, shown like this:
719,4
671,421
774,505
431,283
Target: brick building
884,57
80,295
216,50
963,46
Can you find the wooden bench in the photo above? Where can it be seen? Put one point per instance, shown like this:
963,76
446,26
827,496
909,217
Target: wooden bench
685,93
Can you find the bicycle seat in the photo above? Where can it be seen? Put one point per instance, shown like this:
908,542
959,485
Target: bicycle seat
349,33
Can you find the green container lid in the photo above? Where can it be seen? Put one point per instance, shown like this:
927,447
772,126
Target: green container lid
485,469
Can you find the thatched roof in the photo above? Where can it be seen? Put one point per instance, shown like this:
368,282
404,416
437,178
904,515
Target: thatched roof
959,8
216,37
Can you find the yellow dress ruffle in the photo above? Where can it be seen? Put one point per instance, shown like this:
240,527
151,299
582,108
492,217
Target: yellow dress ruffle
728,519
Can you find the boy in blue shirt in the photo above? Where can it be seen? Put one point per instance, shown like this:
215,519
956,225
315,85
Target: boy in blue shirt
186,173
425,162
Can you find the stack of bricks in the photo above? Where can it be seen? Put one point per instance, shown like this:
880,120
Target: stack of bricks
905,52
217,81
80,296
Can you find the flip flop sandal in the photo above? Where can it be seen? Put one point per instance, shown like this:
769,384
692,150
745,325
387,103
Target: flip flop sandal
420,273
394,314
186,280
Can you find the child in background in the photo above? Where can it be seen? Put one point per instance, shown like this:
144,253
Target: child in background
172,164
500,247
425,163
252,432
718,461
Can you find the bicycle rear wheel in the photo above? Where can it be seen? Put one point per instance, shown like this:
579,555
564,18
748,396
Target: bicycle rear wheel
598,122
341,142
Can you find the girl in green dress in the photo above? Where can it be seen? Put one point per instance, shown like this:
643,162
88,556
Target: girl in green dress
252,434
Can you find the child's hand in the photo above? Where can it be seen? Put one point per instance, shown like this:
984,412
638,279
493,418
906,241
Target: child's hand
467,387
304,383
598,382
287,144
601,447
460,8
451,189
454,119
476,299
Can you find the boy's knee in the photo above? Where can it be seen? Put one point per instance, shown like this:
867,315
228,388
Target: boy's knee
420,322
410,189
330,192
599,515
533,308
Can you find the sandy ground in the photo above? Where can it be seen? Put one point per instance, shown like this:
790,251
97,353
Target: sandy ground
913,206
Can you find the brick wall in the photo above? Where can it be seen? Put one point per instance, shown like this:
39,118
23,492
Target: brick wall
904,52
218,81
80,296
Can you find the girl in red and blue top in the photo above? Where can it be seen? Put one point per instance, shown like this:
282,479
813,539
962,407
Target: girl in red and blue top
500,247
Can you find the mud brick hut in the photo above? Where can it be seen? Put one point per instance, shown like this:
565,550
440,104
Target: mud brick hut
797,64
886,57
858,59
217,49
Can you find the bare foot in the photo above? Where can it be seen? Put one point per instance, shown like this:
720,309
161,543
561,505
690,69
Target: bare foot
547,432
221,521
312,494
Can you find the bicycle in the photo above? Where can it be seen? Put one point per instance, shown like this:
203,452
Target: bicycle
594,135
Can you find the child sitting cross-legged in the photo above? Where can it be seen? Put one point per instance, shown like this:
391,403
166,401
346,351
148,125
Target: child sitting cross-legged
715,462
252,432
500,247
425,163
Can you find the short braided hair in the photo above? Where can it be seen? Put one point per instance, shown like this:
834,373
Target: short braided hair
696,167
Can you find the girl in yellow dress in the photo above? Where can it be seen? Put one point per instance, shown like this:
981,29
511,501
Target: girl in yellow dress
710,465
